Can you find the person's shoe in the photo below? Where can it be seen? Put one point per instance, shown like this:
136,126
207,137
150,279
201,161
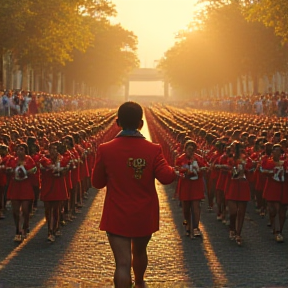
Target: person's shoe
187,233
210,209
58,233
279,238
63,223
197,232
2,216
184,222
219,217
51,238
232,235
18,238
238,240
269,224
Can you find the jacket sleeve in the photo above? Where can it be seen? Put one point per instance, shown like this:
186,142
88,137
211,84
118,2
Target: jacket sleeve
163,172
99,176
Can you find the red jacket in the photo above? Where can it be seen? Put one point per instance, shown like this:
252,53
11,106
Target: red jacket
128,166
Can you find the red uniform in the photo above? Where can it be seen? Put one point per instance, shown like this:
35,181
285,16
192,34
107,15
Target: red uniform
238,189
35,178
75,172
128,167
54,186
191,188
221,182
275,190
21,189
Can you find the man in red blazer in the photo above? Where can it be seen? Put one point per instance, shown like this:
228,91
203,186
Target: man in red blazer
128,166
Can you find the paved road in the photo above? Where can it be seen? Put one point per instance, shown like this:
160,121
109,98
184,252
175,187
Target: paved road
81,257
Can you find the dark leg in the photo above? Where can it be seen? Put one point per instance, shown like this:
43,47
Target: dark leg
139,259
121,247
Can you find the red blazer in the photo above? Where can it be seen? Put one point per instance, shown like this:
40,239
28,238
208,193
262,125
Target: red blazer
128,166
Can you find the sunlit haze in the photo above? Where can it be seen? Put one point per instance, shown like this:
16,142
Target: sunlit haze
155,22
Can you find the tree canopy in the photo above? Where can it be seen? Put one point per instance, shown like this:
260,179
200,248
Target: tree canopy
54,33
221,47
272,13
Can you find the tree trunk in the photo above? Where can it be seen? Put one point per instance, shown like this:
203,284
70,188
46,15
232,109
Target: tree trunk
54,81
234,87
255,84
24,80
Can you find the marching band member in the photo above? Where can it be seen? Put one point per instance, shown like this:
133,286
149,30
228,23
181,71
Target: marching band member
238,191
20,190
276,190
191,187
54,188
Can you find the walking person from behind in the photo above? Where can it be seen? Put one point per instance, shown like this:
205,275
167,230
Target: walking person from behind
128,166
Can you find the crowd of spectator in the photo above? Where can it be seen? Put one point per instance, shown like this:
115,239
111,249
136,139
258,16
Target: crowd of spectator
14,102
271,104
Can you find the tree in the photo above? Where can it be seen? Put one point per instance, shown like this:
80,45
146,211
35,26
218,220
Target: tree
223,47
272,13
108,61
46,33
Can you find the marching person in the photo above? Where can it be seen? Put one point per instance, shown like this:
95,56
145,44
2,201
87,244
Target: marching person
54,188
237,193
20,190
191,186
128,165
276,190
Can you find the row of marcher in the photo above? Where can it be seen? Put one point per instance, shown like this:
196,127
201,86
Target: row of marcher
49,157
235,158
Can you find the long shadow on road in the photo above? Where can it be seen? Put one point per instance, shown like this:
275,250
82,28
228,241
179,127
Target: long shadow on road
216,261
32,265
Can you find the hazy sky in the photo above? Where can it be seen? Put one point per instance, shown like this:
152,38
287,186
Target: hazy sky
155,22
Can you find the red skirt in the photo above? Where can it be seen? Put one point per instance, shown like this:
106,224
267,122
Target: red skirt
190,190
276,191
238,190
20,190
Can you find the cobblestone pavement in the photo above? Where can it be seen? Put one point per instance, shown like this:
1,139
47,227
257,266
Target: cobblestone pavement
81,257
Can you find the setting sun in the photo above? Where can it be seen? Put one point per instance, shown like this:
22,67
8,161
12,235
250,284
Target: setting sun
155,23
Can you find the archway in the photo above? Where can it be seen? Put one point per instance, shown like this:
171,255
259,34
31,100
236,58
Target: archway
146,75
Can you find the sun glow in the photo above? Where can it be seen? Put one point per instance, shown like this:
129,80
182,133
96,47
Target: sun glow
155,23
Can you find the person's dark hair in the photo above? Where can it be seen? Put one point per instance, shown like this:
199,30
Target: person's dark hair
33,145
25,146
275,146
190,143
31,140
54,143
238,148
129,115
70,139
